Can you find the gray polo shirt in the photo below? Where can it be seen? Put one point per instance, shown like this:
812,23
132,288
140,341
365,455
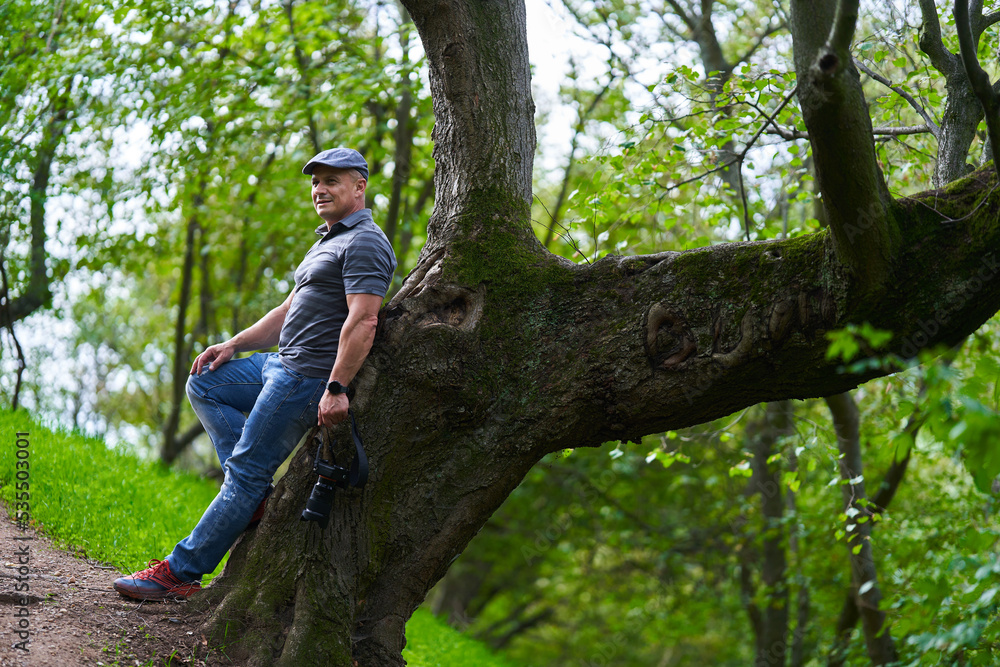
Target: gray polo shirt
354,257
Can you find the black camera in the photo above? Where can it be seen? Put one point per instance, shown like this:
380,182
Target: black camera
332,475
321,499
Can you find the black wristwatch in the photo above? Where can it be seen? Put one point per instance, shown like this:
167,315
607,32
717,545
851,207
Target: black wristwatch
336,388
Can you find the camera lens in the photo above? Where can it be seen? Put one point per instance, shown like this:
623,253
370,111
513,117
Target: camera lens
319,504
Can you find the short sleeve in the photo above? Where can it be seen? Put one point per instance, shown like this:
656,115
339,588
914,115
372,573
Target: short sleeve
368,265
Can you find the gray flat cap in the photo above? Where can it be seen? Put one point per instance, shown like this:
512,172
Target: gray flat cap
341,158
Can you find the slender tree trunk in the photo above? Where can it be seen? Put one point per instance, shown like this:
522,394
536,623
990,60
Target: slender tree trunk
403,140
38,292
772,640
858,527
169,450
800,648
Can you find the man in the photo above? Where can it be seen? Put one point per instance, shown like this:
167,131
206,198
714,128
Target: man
257,409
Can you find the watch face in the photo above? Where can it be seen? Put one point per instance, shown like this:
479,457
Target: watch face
336,388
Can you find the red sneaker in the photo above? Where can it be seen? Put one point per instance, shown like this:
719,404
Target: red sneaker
258,513
156,582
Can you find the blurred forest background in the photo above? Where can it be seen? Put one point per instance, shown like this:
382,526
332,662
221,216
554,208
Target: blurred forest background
152,204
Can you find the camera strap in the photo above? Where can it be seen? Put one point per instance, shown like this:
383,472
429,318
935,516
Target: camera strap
359,466
357,475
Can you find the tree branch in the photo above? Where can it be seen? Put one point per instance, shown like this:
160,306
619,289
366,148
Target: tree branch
934,129
978,78
688,21
38,292
840,131
768,31
494,139
930,40
842,33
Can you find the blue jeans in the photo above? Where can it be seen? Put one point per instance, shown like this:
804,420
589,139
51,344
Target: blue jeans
256,411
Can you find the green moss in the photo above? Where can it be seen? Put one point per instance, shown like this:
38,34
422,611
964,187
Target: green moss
497,249
721,273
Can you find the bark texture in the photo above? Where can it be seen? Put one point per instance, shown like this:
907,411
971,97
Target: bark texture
495,353
962,110
855,196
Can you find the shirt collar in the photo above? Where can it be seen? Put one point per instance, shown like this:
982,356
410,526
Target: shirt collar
348,222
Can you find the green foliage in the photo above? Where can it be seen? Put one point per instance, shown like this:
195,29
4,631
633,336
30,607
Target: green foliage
847,343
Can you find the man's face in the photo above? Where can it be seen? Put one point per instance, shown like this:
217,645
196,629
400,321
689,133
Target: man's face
336,193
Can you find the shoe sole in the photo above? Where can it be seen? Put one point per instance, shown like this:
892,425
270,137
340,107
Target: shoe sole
154,596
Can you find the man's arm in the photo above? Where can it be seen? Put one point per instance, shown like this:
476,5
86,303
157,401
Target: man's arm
356,338
264,333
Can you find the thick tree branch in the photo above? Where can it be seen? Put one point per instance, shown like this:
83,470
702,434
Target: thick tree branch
842,32
494,140
962,111
840,131
930,40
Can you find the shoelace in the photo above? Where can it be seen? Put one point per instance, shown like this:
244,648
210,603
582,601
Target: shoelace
150,571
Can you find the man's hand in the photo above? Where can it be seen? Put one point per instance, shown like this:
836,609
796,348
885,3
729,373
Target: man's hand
214,356
332,409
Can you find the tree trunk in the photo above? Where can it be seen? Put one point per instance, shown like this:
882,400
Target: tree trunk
772,627
494,353
38,292
403,139
170,450
858,528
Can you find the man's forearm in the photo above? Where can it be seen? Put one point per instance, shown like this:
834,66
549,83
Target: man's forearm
356,339
262,334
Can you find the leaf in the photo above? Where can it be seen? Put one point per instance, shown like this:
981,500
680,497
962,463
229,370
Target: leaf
865,587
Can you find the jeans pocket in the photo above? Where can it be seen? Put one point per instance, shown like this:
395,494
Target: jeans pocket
310,415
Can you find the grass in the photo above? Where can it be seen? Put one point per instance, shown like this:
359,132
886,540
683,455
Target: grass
115,507
107,503
430,642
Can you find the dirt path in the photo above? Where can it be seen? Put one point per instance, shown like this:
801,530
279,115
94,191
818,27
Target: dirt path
74,617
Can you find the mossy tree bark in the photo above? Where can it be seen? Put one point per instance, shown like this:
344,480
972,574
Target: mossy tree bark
495,353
